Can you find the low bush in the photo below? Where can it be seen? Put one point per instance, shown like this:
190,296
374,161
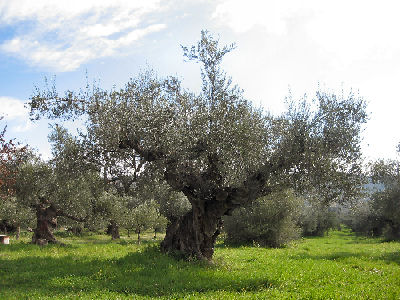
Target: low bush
269,221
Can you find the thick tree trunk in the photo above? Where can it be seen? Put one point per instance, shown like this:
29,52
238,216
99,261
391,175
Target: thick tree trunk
194,234
46,219
113,230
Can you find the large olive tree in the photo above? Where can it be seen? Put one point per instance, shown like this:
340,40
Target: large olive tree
216,147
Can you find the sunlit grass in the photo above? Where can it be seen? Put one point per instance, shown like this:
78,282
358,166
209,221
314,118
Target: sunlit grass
340,265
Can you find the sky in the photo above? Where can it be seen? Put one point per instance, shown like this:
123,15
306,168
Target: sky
282,45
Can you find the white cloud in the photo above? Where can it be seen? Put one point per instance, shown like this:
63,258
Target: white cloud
62,35
342,29
272,15
23,127
301,43
12,109
16,114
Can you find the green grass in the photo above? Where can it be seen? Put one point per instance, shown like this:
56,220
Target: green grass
338,266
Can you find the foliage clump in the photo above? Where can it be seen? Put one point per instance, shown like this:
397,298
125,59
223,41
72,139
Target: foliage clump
379,213
269,221
317,220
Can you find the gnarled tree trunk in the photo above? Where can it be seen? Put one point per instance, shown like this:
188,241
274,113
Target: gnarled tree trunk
195,233
113,230
46,220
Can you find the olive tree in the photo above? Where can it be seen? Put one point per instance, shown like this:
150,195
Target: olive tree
110,211
216,147
385,202
269,221
15,215
171,204
12,155
58,188
317,219
142,217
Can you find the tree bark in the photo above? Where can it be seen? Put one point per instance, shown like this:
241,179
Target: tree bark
113,229
138,236
46,219
194,234
18,232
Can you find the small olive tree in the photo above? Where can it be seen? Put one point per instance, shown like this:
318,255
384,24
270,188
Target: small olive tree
142,217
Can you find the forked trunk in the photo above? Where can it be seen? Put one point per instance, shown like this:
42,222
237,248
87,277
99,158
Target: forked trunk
194,234
46,220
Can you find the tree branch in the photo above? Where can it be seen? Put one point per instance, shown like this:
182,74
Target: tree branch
61,213
148,155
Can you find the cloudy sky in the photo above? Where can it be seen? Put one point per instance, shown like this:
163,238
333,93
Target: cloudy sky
282,44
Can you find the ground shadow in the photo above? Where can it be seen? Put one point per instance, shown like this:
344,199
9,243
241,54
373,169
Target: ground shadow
392,257
24,246
146,273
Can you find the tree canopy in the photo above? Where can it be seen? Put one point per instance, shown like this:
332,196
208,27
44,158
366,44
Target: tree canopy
216,147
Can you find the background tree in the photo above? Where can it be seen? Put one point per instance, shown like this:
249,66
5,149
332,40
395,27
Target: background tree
385,202
171,204
160,223
12,155
269,221
15,215
378,212
317,219
363,219
61,187
114,212
7,150
110,210
165,204
215,147
144,216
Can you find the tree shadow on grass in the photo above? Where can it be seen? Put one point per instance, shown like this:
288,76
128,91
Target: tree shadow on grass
26,246
392,257
146,273
360,239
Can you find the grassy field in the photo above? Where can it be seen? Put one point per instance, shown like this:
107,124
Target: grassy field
338,266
